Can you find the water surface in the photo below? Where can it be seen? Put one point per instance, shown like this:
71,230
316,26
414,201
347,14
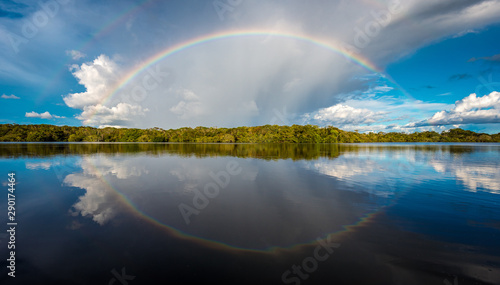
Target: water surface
254,213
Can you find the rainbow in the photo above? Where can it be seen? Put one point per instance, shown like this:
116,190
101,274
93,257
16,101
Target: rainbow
333,46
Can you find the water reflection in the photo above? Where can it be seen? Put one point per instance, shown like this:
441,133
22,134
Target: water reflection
268,204
272,192
261,151
371,166
46,165
404,213
99,202
476,176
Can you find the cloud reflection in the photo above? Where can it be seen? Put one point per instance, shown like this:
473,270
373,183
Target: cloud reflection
45,165
100,201
121,168
376,174
370,169
476,177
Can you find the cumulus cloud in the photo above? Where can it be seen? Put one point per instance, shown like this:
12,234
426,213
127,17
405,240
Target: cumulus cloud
374,110
75,55
99,78
341,115
119,115
470,110
10,96
44,115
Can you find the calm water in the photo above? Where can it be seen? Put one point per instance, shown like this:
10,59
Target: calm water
253,214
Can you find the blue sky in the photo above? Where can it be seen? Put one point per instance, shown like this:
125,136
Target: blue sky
438,64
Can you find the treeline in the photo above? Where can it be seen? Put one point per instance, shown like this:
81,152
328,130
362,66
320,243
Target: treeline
266,151
260,134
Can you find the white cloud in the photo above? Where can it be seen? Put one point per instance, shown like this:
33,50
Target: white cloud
393,127
374,110
75,55
10,96
121,114
44,115
341,115
97,77
470,110
473,102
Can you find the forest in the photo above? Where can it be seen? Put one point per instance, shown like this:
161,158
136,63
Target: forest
257,134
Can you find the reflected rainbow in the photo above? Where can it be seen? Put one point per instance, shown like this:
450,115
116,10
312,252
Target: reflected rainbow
337,236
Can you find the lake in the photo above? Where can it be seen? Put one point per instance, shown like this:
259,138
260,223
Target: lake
134,213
